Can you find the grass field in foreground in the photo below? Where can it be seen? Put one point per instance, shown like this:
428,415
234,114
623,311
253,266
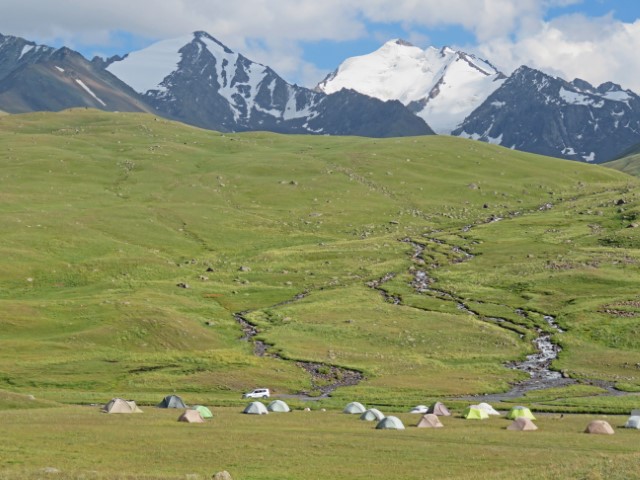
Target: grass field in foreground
106,217
80,442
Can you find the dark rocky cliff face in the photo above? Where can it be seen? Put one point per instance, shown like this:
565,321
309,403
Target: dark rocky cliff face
538,113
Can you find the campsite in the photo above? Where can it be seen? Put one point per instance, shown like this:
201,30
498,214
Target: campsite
146,259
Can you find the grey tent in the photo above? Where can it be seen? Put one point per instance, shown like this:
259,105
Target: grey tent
633,422
373,414
118,405
171,401
390,423
429,420
354,408
439,409
278,406
256,408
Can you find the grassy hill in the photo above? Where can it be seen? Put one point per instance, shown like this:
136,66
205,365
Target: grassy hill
106,217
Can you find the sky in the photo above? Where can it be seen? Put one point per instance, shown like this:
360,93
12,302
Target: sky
304,40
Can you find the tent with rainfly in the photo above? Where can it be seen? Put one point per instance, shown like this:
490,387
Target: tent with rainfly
203,411
429,420
256,408
354,408
191,416
474,412
422,409
373,414
519,411
171,401
439,408
390,423
278,406
119,405
522,424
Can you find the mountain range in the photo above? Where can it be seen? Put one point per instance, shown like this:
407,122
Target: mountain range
398,90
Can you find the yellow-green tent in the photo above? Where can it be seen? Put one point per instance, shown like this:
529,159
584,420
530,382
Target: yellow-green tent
474,412
517,412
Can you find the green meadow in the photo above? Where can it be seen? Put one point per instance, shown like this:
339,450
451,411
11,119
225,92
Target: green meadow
129,242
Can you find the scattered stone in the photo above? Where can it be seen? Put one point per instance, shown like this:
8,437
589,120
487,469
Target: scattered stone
621,201
224,475
307,409
473,186
244,268
209,323
183,285
486,205
30,397
29,279
50,470
204,278
633,225
209,269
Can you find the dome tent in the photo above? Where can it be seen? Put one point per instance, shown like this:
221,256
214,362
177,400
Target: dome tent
171,401
599,427
429,420
203,411
474,412
373,414
390,423
488,408
422,409
256,408
522,424
354,408
520,411
191,416
439,409
118,405
278,406
633,422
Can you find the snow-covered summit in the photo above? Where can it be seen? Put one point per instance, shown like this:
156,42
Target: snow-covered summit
442,86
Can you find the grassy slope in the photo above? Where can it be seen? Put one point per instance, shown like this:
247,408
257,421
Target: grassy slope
629,164
103,214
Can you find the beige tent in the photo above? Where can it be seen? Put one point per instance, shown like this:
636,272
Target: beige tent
439,409
429,420
522,424
191,416
118,405
600,427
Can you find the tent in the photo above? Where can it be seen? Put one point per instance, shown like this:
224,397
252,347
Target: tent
474,412
517,412
203,411
429,420
354,408
278,406
171,401
635,413
118,405
633,422
191,416
371,415
390,423
522,424
599,427
439,409
419,409
256,408
488,408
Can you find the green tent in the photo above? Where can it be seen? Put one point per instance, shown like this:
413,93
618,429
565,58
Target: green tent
474,412
203,411
390,423
517,412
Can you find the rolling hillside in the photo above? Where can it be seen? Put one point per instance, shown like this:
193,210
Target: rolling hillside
133,245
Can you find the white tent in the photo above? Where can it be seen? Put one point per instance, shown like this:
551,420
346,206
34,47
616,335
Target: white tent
390,423
488,408
278,406
256,408
419,409
354,408
633,422
373,414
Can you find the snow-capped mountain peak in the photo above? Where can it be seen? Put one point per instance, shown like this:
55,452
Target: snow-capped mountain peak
442,86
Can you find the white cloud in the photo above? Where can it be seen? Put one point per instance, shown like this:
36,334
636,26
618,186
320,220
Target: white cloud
507,32
594,49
